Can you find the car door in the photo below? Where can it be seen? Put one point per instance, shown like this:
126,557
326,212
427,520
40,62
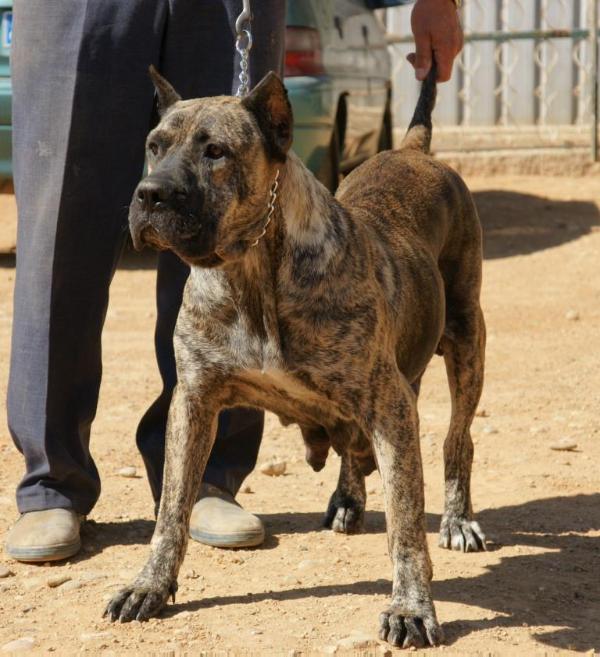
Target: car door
363,72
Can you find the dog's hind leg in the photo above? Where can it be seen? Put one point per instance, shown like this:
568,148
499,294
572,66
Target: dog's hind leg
346,509
463,347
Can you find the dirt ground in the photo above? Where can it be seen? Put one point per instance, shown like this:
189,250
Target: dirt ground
536,591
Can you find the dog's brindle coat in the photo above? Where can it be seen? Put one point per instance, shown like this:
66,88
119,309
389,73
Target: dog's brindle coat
329,321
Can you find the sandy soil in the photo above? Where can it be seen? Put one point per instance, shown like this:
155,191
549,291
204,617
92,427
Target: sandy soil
536,591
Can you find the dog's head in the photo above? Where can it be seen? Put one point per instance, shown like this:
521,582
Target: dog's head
212,162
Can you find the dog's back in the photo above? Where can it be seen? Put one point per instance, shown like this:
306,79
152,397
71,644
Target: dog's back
424,199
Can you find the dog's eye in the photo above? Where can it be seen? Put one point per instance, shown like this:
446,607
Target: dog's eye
214,152
153,147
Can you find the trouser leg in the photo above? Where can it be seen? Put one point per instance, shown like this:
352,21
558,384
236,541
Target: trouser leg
82,105
199,60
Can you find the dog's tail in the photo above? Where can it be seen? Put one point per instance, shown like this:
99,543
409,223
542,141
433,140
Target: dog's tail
418,136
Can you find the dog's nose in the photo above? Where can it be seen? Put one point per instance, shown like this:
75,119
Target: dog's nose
154,194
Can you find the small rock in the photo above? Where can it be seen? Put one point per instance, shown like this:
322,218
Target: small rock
94,636
5,572
382,651
481,412
273,468
246,489
71,585
129,471
357,641
24,643
91,576
308,563
564,445
538,429
57,580
31,583
489,429
192,575
572,315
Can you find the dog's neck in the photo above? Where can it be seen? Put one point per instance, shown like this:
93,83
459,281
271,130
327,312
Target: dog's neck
311,228
308,224
306,206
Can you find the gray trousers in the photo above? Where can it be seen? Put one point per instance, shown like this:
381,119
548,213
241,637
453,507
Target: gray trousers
82,106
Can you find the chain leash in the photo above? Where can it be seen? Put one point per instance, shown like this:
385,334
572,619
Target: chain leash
243,45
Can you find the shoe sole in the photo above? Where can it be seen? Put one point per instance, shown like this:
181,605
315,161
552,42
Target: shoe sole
228,540
46,553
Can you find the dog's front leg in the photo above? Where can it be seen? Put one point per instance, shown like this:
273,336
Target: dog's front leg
190,435
410,620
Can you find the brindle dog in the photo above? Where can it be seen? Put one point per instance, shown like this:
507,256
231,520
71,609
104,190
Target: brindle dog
327,315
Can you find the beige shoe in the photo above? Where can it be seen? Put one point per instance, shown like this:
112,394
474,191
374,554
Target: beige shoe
48,535
218,520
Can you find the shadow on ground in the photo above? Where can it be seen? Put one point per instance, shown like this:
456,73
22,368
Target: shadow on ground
513,224
556,587
97,536
518,224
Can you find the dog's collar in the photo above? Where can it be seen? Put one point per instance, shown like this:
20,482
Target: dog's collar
270,208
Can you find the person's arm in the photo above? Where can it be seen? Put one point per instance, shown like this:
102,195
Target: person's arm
437,31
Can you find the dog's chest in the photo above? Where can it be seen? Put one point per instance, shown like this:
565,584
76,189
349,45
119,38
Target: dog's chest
286,395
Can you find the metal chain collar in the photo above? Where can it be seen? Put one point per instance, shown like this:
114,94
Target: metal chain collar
243,44
270,207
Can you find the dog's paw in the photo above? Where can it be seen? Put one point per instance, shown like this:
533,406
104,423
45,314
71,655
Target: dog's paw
139,602
461,535
403,630
344,515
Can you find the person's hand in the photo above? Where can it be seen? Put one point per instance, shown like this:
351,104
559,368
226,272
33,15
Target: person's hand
437,31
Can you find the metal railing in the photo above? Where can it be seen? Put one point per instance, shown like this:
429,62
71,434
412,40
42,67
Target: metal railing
530,66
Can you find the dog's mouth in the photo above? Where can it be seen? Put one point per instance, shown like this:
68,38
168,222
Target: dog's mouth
148,236
186,245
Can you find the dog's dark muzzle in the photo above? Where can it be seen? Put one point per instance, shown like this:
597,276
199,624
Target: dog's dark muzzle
158,193
165,214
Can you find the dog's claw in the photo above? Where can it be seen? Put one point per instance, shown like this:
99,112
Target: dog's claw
461,535
139,602
406,631
344,518
173,590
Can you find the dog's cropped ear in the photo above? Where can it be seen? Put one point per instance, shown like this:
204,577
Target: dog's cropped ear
166,95
269,104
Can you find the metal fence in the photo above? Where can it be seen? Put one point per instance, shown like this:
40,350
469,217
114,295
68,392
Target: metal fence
529,70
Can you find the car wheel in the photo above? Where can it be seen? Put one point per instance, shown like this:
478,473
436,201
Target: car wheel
386,134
